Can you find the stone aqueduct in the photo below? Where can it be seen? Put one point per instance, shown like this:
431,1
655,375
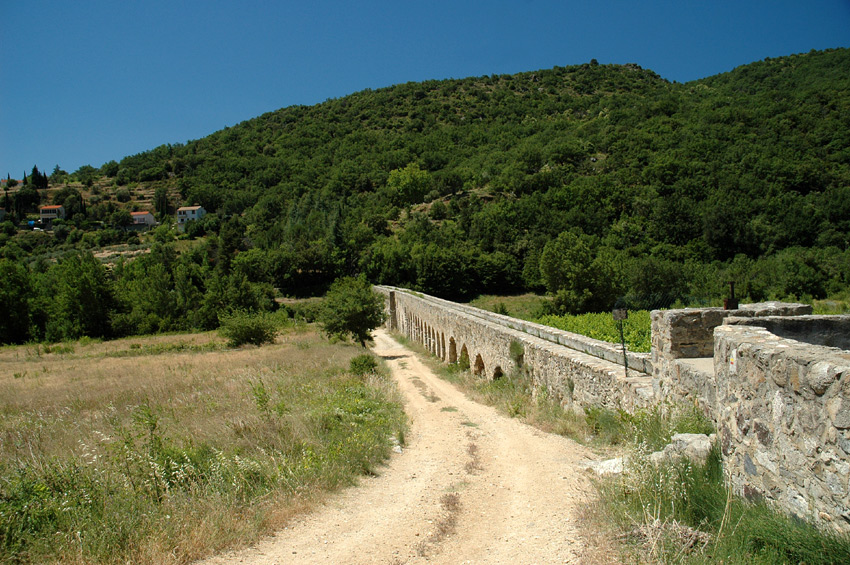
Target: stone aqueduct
774,380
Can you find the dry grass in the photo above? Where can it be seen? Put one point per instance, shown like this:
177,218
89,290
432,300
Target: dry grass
73,396
282,423
474,464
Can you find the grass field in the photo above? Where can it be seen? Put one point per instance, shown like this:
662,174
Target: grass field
165,449
524,306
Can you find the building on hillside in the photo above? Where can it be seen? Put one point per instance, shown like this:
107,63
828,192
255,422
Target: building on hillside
188,214
143,219
49,213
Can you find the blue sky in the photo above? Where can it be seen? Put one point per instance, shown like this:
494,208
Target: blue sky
89,81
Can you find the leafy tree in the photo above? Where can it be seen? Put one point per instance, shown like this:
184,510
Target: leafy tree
160,201
352,308
572,275
15,294
408,185
27,200
86,174
246,328
72,200
58,175
78,298
109,169
121,219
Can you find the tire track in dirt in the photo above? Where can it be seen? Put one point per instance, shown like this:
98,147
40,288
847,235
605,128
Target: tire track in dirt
471,486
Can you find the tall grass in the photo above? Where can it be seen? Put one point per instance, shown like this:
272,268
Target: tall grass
170,456
683,512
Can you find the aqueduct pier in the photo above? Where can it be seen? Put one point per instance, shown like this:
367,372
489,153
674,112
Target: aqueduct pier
774,379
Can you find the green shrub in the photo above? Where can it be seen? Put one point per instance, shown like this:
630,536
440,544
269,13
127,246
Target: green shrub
240,328
363,364
636,328
517,353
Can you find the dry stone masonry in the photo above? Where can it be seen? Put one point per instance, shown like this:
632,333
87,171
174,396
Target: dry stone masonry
783,414
590,373
774,379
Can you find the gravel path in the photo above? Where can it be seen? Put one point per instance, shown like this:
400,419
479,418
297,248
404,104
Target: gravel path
471,486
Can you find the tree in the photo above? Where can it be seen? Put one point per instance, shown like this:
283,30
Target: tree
571,274
58,175
72,200
352,308
161,201
121,219
408,185
80,302
27,200
15,296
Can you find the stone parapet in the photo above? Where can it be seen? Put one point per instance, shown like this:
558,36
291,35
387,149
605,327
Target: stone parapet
783,414
493,348
612,352
688,333
688,383
831,331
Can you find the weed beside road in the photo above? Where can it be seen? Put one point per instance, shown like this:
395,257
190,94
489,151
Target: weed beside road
188,449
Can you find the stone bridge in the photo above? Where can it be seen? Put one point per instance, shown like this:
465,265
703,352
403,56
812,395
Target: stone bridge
774,380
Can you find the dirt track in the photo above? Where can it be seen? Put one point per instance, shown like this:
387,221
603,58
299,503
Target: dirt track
472,486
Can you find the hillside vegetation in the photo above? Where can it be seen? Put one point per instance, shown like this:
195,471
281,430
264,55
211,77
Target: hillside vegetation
595,183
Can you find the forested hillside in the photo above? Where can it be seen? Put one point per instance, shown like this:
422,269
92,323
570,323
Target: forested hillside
592,182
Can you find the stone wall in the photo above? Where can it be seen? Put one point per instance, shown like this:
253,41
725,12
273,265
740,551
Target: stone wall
831,331
781,405
455,332
783,414
688,334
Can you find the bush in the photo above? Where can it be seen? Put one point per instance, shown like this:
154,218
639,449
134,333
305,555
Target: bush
123,195
351,308
363,364
243,327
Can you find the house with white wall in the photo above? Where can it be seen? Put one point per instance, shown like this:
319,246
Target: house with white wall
49,213
144,218
188,214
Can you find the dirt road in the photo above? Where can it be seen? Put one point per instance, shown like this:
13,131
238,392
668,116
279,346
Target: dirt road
471,486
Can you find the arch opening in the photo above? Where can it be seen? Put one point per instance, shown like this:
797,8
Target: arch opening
479,365
463,362
452,350
497,373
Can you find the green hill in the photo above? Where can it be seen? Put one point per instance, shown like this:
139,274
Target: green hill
593,182
749,162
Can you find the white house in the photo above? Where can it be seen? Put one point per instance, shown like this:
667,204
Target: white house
187,214
49,213
143,218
